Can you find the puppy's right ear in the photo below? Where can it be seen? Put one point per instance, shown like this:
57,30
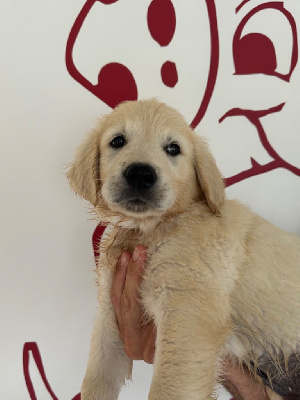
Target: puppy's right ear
84,173
209,177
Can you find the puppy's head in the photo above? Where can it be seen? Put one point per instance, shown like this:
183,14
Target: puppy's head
143,160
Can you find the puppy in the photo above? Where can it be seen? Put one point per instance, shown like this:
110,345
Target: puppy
220,281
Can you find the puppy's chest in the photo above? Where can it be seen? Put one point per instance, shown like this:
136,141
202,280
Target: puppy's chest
173,257
118,240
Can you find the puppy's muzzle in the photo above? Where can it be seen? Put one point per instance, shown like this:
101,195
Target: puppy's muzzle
140,176
139,188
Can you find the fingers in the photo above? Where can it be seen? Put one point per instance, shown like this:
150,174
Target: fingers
118,287
134,276
149,348
241,384
130,307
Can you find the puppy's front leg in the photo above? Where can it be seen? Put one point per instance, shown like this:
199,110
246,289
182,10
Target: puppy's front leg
191,333
108,365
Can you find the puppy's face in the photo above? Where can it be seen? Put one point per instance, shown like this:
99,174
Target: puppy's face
146,162
143,160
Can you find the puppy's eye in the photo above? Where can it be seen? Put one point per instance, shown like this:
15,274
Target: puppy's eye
118,142
173,149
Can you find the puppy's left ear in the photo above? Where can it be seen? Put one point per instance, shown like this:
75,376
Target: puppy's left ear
84,174
209,176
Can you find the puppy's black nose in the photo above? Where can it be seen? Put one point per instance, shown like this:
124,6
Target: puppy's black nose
140,176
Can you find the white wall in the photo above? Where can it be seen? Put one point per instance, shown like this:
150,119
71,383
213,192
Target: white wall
46,284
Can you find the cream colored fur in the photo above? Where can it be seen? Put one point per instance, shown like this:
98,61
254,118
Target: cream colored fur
220,281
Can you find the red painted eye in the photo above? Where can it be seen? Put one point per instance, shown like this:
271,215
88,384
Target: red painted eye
265,42
161,21
254,54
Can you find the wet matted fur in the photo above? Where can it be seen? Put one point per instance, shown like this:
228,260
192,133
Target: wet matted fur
220,281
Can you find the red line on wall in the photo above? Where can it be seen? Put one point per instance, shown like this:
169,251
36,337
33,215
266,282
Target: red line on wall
214,63
31,350
241,5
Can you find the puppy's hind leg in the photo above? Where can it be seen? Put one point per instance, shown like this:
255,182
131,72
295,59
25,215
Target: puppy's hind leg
108,365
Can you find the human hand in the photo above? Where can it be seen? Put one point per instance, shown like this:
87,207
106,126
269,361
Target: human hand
139,338
241,383
137,335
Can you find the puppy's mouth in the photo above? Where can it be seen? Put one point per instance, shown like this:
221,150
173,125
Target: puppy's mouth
136,204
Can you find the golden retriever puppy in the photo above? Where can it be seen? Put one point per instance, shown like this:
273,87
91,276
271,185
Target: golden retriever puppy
220,281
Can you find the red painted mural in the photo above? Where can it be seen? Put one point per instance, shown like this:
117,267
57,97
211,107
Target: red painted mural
253,53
